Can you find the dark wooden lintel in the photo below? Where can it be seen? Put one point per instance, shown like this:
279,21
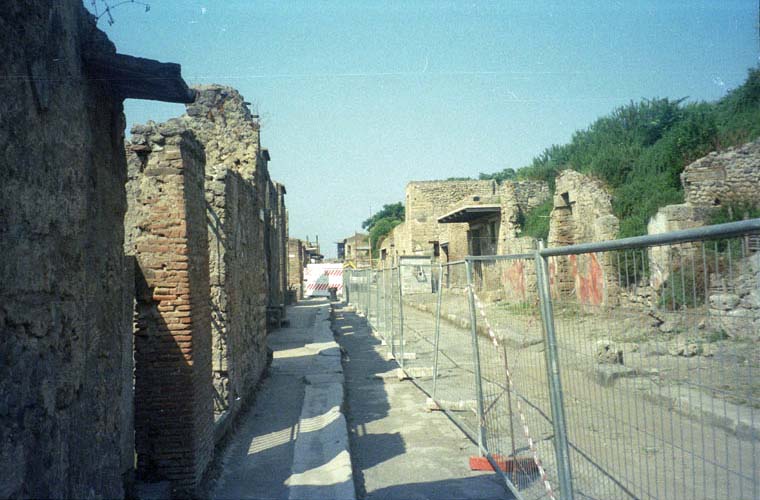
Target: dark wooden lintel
137,78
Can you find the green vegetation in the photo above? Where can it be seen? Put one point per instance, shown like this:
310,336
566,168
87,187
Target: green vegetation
640,150
382,222
508,174
734,213
536,222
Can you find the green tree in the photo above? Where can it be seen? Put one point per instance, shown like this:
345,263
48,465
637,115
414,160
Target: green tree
393,211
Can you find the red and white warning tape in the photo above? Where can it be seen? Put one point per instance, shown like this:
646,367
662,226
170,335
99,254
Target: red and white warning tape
526,430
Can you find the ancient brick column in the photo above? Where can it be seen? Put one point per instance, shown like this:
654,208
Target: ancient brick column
166,231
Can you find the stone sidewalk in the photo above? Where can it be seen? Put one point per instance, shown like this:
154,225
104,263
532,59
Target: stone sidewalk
292,443
398,449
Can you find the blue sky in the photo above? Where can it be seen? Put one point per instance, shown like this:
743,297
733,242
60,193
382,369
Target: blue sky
358,98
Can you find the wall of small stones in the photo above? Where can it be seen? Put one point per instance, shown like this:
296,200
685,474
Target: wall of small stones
65,286
296,265
167,234
276,245
725,177
730,177
238,204
734,304
582,213
517,199
428,200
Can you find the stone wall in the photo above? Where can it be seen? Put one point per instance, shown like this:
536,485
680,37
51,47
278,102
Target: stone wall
237,193
455,237
729,177
65,291
276,245
582,213
724,178
672,218
516,199
428,200
296,264
166,232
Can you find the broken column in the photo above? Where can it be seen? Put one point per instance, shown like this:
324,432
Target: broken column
166,232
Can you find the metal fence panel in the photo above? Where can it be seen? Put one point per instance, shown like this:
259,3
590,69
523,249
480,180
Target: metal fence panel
621,369
659,354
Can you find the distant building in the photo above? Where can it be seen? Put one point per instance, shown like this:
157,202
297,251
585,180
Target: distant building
312,254
355,250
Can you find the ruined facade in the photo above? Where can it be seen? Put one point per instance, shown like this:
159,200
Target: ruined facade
493,226
246,219
66,285
727,178
296,263
724,178
80,301
425,202
356,250
582,213
166,233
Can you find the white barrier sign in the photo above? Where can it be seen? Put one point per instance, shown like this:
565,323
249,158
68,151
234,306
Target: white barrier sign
318,278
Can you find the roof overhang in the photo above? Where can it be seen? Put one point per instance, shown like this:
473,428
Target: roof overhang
469,213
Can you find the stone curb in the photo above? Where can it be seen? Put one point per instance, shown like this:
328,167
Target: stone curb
321,458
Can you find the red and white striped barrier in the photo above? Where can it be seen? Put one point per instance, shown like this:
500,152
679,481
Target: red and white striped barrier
319,278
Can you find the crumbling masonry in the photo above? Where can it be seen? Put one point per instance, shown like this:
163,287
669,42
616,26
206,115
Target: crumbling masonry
65,282
166,232
200,236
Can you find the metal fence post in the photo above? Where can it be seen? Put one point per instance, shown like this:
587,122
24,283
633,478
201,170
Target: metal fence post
561,447
377,301
400,316
346,290
386,319
482,445
369,294
437,334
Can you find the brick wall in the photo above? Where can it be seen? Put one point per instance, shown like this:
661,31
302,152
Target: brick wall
167,234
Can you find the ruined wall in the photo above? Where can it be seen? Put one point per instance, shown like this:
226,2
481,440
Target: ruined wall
723,178
296,264
516,199
276,244
582,213
64,294
166,232
672,218
235,209
455,235
282,244
729,177
238,319
428,200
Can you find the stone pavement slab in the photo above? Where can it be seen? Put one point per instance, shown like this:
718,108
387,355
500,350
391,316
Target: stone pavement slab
289,444
398,449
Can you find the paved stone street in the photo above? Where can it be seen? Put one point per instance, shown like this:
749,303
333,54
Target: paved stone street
398,449
293,441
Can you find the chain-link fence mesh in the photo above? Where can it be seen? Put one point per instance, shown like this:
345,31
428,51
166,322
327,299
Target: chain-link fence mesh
621,369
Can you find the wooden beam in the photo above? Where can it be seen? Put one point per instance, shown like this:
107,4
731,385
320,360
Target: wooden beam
137,78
